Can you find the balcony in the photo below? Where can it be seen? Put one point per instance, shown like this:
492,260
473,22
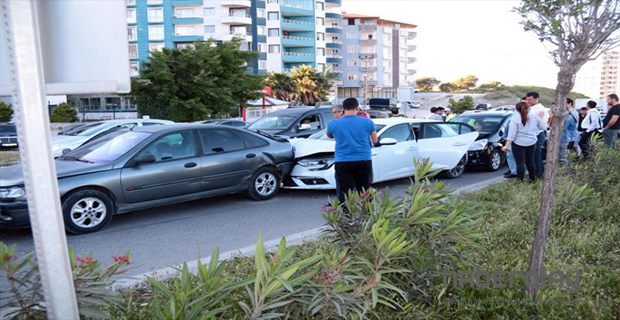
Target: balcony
333,2
246,36
333,29
297,57
413,34
236,3
237,19
412,47
333,44
371,83
411,72
296,25
368,42
334,58
294,9
333,15
368,27
292,41
412,59
369,69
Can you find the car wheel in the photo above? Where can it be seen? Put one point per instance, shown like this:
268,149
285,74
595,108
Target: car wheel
264,185
87,211
495,161
458,170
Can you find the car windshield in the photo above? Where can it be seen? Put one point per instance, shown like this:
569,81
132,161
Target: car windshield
322,135
107,148
8,130
86,130
483,124
272,123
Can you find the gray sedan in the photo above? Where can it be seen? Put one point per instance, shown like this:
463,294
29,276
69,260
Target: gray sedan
145,167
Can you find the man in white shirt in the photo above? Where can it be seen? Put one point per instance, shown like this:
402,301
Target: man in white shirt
591,124
436,114
532,99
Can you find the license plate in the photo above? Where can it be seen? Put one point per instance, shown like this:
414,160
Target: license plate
9,144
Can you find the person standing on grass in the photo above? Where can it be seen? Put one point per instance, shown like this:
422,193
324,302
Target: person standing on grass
591,125
510,158
569,131
353,160
611,123
542,112
522,139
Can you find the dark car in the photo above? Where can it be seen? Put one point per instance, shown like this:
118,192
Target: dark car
381,108
482,107
492,127
8,135
145,167
226,122
298,122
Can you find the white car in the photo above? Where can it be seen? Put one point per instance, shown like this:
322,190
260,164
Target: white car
84,134
402,140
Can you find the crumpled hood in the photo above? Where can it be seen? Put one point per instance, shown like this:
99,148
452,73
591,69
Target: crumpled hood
61,142
307,147
13,176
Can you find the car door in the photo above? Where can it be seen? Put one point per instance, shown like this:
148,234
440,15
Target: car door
395,161
308,125
175,172
227,162
443,144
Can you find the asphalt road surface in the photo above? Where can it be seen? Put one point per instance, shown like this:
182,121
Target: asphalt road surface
167,236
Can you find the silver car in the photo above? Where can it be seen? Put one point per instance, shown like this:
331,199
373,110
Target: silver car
144,167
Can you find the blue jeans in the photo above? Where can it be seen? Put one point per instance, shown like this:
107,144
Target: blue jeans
610,136
564,153
512,164
538,155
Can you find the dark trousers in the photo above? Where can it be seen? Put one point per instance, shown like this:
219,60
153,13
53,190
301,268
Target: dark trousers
354,175
524,156
538,155
584,143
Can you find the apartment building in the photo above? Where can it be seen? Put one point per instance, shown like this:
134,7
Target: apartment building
600,78
377,58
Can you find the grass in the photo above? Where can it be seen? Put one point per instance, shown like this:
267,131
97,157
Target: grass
8,158
547,95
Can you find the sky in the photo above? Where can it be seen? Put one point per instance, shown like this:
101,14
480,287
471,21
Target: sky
461,37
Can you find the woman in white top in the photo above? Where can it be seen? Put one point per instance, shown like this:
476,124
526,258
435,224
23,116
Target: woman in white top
522,138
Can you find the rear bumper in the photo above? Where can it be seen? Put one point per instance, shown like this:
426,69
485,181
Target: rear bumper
14,215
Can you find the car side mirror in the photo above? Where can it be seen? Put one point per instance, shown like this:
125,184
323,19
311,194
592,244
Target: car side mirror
143,159
387,142
65,151
304,127
501,133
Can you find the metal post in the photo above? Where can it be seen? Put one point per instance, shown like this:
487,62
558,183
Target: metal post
22,36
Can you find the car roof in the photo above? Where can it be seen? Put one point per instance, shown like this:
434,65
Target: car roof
177,126
298,110
399,120
488,113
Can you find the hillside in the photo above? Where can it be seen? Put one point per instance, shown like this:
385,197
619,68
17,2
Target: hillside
547,95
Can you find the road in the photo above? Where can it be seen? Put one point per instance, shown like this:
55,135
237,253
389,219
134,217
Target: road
166,236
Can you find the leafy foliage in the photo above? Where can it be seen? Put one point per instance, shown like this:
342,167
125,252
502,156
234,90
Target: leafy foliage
25,300
490,86
547,95
6,112
426,84
448,87
465,103
304,86
466,83
64,113
206,80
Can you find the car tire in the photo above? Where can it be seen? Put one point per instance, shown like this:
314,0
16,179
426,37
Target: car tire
87,211
458,170
264,185
495,161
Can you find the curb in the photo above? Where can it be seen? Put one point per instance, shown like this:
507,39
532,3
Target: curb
271,245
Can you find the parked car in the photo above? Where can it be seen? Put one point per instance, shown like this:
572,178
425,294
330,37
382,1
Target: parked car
492,127
483,106
72,127
144,167
413,104
381,108
402,140
225,122
299,122
92,131
504,108
8,135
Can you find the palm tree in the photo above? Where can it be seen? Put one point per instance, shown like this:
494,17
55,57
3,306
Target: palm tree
304,86
281,85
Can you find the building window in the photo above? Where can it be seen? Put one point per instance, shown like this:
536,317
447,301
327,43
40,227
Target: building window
238,30
209,29
262,47
274,48
352,63
134,68
352,76
262,65
320,67
187,12
209,11
246,46
351,22
131,15
132,33
320,21
186,30
320,52
320,36
156,32
130,2
351,49
156,14
274,32
351,35
262,31
133,51
156,46
273,16
261,13
153,2
320,6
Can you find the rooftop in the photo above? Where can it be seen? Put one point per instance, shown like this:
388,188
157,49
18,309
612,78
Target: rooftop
379,20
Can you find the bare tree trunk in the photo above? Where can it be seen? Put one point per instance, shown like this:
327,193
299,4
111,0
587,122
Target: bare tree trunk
547,201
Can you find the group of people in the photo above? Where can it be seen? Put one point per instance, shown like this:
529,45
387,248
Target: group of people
441,114
527,133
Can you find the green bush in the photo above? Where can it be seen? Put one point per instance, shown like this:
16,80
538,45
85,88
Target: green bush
6,112
464,104
64,113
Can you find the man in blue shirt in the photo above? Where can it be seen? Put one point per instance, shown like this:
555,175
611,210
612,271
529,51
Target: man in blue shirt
353,160
569,131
